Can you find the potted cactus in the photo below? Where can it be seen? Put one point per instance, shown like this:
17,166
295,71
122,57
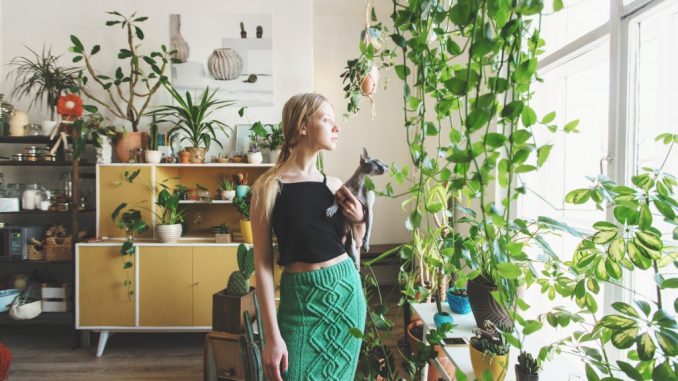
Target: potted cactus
527,368
238,297
243,32
152,155
226,189
224,235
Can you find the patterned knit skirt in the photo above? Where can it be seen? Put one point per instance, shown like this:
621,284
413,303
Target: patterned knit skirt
317,309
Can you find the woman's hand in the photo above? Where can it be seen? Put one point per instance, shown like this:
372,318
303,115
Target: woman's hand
275,359
351,207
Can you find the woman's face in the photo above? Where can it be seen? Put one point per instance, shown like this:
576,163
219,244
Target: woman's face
323,129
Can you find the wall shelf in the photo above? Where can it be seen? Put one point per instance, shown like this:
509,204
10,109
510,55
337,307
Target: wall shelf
46,212
177,165
205,202
43,318
42,163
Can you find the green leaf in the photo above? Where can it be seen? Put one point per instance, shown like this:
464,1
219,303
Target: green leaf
625,338
139,33
402,71
644,306
618,322
461,14
591,374
543,153
626,309
572,126
645,217
663,372
557,5
548,118
477,119
605,226
668,341
616,249
670,283
603,237
645,347
399,40
95,50
578,196
630,371
529,117
532,326
665,209
77,44
508,270
494,139
650,241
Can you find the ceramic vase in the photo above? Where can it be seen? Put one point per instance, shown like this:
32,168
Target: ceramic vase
224,64
177,42
105,152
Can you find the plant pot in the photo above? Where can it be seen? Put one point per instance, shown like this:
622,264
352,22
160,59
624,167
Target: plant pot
459,304
497,365
274,155
241,190
483,305
153,157
227,195
227,311
520,376
441,318
168,233
223,238
128,141
48,126
184,157
255,157
197,154
246,230
369,83
415,335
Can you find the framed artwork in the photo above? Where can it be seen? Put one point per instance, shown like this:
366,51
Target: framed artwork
242,138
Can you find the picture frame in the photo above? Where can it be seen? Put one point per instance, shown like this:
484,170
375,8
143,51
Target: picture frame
242,138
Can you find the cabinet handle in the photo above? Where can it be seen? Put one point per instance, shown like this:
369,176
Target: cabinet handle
196,283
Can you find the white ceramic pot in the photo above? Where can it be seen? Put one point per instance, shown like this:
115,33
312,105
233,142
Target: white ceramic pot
255,157
274,155
152,157
48,126
227,195
168,233
17,122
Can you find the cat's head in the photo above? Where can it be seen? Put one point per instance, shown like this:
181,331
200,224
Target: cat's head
371,167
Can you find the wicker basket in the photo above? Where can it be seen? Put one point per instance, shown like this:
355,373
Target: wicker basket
36,253
59,253
50,241
226,350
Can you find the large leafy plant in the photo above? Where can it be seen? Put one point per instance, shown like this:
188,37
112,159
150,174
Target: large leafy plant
192,120
644,330
129,90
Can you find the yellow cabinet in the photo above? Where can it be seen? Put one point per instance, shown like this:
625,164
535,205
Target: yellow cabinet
165,286
103,299
212,265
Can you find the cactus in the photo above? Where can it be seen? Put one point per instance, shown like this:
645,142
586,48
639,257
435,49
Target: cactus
238,282
527,364
153,135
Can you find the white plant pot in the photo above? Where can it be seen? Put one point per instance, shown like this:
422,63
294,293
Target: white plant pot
227,195
152,157
168,233
255,157
274,155
48,126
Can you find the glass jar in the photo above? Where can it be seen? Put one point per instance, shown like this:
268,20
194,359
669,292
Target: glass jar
6,111
9,199
66,183
29,196
32,129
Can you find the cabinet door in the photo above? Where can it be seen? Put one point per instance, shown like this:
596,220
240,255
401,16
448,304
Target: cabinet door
103,299
113,189
211,268
165,286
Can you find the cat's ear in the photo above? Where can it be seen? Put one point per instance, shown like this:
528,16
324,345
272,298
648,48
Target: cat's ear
364,156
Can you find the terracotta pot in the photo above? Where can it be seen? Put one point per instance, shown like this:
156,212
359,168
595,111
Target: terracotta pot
369,83
483,305
246,230
128,141
197,154
412,339
184,157
497,365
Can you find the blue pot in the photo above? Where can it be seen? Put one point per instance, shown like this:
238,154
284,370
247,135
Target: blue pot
241,190
7,297
459,304
441,319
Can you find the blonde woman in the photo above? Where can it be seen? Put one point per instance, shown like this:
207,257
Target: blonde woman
320,291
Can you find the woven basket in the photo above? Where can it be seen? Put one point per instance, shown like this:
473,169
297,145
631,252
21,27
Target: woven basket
59,253
49,241
226,348
36,253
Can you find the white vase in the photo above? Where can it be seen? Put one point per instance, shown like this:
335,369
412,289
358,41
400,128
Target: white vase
17,122
105,152
274,155
168,233
227,195
177,41
48,126
255,157
224,64
152,157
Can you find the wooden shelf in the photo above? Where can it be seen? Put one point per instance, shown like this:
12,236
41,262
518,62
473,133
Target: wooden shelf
205,202
41,139
205,165
37,262
43,318
42,163
46,213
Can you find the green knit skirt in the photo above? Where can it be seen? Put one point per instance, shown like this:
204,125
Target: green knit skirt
317,309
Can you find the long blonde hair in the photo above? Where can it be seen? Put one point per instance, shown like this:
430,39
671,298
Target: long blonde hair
296,113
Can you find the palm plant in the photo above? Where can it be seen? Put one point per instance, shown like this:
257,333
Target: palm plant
42,78
193,119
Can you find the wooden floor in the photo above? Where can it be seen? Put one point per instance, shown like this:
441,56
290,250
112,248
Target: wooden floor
48,353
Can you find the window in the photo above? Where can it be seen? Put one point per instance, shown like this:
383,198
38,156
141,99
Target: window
576,19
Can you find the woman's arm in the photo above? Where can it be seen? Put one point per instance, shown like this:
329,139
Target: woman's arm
275,351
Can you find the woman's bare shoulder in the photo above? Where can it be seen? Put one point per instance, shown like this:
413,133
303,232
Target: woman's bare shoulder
334,183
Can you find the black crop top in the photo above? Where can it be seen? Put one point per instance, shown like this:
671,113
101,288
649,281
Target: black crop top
305,233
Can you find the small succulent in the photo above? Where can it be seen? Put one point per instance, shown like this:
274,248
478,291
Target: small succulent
527,364
226,184
489,340
224,229
238,282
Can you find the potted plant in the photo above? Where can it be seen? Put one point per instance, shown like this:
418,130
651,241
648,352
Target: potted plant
273,138
238,297
226,189
527,368
243,206
489,353
441,317
192,121
131,222
127,92
224,235
169,229
260,31
241,184
243,32
457,299
254,155
42,78
152,155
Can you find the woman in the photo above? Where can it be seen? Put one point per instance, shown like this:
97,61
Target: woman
320,292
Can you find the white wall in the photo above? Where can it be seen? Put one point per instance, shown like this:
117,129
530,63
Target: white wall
337,26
